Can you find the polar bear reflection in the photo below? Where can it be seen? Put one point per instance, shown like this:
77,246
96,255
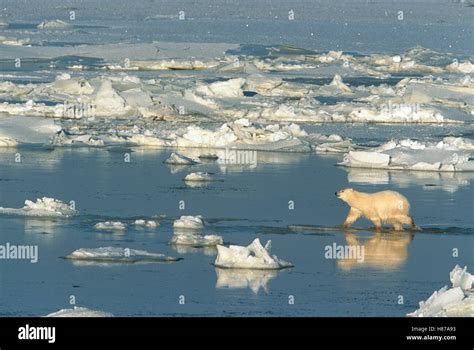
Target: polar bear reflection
242,278
385,251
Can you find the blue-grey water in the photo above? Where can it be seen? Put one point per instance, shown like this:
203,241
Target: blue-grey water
246,203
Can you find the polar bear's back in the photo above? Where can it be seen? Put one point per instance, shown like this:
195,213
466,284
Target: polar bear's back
389,204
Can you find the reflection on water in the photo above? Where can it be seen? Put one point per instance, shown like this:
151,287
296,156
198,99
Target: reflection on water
42,226
186,249
447,181
241,278
384,251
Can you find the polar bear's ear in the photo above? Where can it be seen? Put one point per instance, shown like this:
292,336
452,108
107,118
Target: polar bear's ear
349,189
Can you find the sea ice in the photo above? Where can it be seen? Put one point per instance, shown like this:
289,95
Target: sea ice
110,226
179,159
450,155
254,256
198,176
146,223
191,222
116,254
457,301
195,240
57,23
79,312
47,207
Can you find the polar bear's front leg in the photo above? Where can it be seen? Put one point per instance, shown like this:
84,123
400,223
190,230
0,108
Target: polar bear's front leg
352,217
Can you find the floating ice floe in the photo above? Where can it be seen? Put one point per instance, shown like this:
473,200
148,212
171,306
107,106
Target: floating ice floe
239,279
198,177
79,312
110,226
44,207
64,138
166,64
229,88
178,159
254,256
449,155
191,222
54,24
108,102
115,254
146,223
195,240
12,41
457,301
7,142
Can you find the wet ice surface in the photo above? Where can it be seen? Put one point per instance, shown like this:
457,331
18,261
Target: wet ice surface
250,203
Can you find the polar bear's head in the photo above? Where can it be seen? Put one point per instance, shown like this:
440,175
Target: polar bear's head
344,194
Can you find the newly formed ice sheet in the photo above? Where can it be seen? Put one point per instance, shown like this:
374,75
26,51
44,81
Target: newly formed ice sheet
254,256
119,255
79,312
44,207
457,301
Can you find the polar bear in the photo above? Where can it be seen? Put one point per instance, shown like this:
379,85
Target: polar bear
381,207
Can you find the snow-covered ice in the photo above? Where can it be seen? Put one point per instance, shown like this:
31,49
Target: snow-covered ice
254,256
198,176
146,223
449,155
179,159
116,254
195,240
110,226
189,222
78,311
43,207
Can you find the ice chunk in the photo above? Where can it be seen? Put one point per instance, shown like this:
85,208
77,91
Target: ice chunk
368,158
146,223
457,301
254,256
461,278
146,141
195,240
339,84
108,101
7,142
198,176
191,222
110,226
54,24
79,312
178,159
228,88
47,207
116,254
